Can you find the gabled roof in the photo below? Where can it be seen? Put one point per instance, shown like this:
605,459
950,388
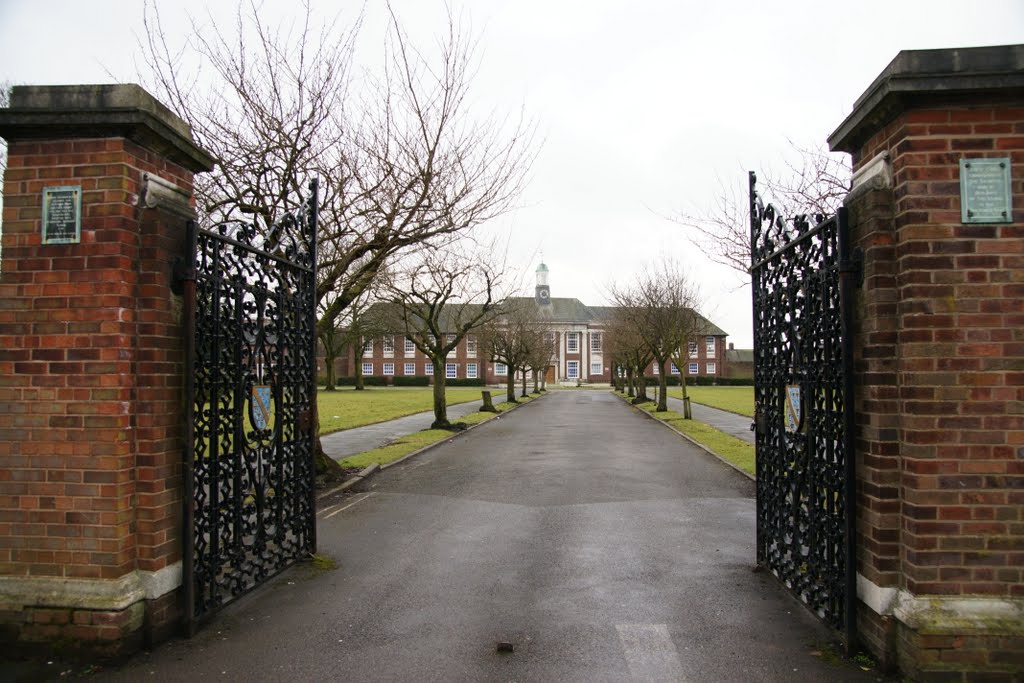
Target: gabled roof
572,310
739,355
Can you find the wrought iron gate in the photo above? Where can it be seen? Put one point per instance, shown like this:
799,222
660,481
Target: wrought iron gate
250,318
803,388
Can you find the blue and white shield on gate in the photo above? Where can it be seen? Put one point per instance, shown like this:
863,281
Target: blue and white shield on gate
261,404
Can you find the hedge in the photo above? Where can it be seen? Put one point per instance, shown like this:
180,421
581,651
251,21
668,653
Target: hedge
412,381
704,381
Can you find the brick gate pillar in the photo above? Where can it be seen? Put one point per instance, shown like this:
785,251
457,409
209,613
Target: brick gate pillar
91,365
940,362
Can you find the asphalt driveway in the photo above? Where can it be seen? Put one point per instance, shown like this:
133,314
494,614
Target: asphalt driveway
597,544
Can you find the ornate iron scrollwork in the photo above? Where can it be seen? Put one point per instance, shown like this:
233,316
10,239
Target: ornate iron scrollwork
802,354
251,368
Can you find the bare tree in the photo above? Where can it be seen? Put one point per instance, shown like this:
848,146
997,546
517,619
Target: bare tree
818,184
629,350
661,308
439,299
402,163
512,338
541,354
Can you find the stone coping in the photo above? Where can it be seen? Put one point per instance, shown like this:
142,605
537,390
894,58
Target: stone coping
57,112
921,77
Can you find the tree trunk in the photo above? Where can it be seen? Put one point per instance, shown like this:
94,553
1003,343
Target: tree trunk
324,465
687,412
440,401
641,389
510,389
536,382
630,383
329,373
357,370
524,382
662,388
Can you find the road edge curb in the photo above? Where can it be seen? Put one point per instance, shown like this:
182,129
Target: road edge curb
687,437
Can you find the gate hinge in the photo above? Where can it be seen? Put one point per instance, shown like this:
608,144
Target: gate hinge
182,271
854,265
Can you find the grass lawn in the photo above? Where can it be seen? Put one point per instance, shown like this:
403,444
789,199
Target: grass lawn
399,448
738,400
728,447
347,408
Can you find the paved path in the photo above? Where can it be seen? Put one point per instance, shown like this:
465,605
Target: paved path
722,420
602,547
348,442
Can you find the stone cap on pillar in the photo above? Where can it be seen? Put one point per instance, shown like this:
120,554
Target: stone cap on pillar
54,112
917,78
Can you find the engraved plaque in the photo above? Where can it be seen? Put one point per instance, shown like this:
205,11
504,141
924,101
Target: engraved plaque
985,195
62,215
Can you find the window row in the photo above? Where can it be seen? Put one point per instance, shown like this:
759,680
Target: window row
387,344
451,370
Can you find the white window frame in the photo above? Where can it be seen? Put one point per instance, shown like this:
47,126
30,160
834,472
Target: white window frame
428,369
389,369
470,370
693,368
709,345
451,370
595,342
655,370
500,369
572,342
691,349
596,367
368,347
712,368
674,369
388,346
410,347
470,346
572,369
367,369
448,339
410,368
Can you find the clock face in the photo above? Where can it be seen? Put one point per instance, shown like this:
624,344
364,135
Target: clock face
543,295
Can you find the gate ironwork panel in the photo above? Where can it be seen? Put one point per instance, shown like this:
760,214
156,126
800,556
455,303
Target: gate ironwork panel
803,390
249,473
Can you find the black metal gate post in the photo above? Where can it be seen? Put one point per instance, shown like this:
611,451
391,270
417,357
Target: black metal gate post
802,281
250,322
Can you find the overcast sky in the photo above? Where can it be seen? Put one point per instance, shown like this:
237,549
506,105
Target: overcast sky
645,108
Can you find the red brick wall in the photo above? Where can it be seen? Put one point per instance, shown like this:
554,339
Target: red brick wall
90,368
959,313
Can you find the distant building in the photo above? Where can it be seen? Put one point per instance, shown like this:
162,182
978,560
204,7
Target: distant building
578,332
739,363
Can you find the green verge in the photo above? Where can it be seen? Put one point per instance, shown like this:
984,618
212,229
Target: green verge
347,408
739,400
726,446
403,446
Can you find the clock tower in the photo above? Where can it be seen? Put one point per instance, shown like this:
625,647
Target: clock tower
543,291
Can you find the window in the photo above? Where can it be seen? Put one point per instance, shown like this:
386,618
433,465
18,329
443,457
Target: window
655,369
389,368
692,368
595,342
450,339
573,368
431,340
367,369
451,370
410,347
711,368
691,348
368,347
471,370
573,341
471,346
410,368
596,368
389,345
709,344
674,370
428,368
500,369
